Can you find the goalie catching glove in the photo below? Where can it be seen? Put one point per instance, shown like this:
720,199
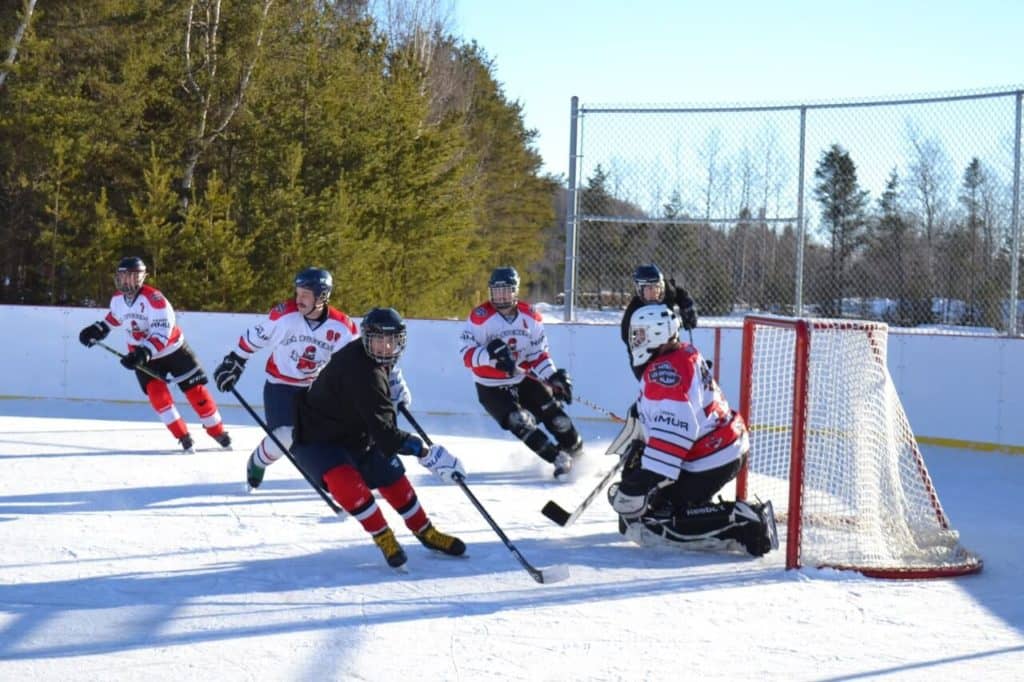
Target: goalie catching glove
229,371
443,464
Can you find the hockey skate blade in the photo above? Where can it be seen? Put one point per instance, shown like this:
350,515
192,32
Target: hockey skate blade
555,513
555,574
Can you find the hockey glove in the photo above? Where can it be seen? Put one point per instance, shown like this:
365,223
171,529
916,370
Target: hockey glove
561,386
97,331
501,356
400,394
687,315
443,464
228,372
135,358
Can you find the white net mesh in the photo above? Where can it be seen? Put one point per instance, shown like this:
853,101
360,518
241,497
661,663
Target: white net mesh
866,500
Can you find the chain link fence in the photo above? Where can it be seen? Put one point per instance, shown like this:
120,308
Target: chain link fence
905,211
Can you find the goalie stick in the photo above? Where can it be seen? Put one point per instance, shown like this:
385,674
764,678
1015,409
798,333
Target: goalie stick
629,432
547,575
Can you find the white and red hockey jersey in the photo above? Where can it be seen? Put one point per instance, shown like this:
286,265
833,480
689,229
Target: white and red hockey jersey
301,347
523,334
687,422
148,320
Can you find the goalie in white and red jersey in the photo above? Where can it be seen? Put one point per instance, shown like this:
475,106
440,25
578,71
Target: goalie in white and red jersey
156,344
504,345
301,334
690,444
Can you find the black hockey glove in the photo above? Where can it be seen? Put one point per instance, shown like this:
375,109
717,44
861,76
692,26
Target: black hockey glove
687,315
137,357
561,386
501,356
228,372
97,331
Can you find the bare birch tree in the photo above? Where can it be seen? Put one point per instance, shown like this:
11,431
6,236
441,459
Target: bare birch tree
217,95
27,7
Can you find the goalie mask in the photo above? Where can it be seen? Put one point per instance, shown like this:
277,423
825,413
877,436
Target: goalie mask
383,334
504,288
650,327
129,276
649,283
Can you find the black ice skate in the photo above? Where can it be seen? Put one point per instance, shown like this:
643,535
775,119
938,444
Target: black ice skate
187,445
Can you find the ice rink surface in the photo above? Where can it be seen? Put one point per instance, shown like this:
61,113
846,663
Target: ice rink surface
124,559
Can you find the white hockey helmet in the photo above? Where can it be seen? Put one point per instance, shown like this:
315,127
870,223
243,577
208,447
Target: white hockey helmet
650,327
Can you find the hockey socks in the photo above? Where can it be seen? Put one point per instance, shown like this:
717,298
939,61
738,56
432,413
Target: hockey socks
205,406
348,488
160,398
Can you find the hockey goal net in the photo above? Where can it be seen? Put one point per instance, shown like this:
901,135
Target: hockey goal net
832,449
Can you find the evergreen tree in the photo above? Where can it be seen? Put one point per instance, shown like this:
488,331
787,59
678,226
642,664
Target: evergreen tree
843,219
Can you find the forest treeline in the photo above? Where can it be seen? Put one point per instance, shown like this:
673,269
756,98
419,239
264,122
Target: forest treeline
232,142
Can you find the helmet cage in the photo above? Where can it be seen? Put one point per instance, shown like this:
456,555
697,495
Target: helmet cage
384,335
650,327
130,275
504,288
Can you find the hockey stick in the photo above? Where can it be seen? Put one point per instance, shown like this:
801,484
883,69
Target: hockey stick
556,513
548,575
597,408
330,503
583,401
141,368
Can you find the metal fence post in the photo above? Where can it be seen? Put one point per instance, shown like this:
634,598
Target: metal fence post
798,298
570,216
1012,328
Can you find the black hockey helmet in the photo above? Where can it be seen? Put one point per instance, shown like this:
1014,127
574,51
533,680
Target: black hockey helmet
130,274
317,280
649,275
383,334
504,287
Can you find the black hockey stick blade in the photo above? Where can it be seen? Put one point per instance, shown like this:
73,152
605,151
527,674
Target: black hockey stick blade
554,511
563,518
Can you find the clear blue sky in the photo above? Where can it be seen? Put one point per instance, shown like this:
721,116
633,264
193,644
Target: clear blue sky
651,52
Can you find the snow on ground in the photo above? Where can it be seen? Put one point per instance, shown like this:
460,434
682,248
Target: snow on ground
122,559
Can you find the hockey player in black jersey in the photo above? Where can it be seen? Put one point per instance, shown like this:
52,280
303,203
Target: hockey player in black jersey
651,287
347,437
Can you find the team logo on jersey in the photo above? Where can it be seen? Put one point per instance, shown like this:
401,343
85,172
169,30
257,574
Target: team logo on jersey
480,311
307,363
136,333
665,374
